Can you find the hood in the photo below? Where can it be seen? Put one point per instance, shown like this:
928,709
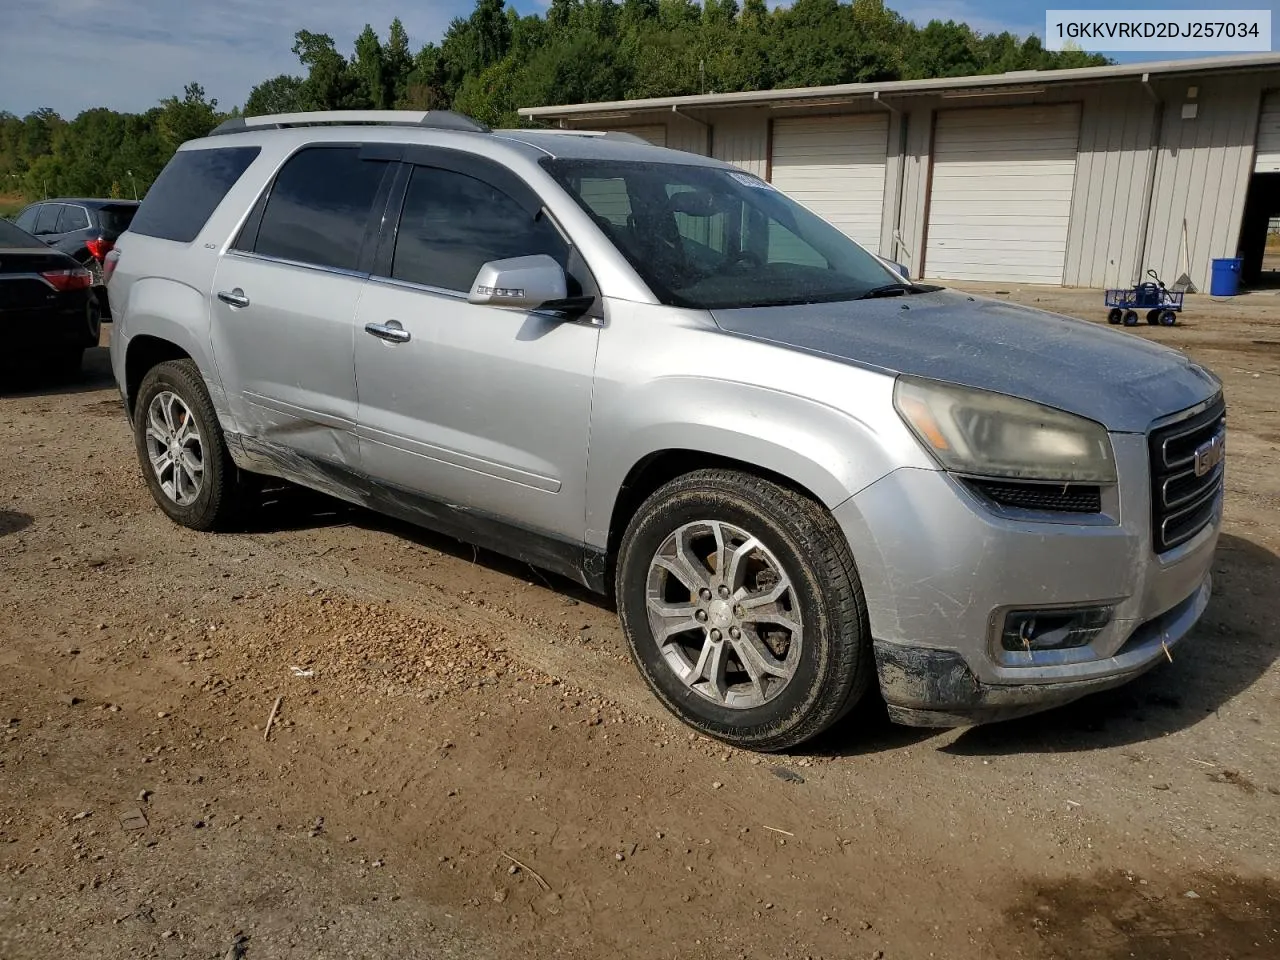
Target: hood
1117,379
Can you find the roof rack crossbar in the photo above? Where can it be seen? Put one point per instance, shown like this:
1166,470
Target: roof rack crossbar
436,119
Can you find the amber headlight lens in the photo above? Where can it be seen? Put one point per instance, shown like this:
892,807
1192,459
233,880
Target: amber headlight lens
984,434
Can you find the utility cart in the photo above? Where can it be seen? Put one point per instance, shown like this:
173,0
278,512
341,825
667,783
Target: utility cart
1161,305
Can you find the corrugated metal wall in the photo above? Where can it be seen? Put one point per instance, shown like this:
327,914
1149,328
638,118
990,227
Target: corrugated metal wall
741,137
683,133
1202,174
1111,179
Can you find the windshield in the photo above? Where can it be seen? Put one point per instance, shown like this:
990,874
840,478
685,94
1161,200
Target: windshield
712,238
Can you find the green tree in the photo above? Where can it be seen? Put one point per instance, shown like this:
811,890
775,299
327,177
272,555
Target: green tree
187,118
282,94
370,70
397,62
330,83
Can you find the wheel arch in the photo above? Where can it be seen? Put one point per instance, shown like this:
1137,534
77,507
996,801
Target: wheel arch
145,352
660,467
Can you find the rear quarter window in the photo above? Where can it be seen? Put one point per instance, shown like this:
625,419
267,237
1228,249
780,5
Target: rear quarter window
188,190
116,219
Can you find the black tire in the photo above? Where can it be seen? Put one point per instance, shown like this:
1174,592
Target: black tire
93,322
218,504
1168,318
1130,318
1114,316
834,666
1153,317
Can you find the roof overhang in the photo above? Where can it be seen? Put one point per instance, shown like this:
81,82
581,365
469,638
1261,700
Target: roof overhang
1000,84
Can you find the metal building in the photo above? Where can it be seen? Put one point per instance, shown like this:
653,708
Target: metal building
1080,177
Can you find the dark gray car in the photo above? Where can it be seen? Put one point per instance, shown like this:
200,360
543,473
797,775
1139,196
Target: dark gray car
85,229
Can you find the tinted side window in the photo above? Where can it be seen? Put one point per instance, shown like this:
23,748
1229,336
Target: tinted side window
27,219
319,207
47,221
453,224
72,218
188,190
116,219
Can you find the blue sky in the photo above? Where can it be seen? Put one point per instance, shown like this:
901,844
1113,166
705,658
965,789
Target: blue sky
127,54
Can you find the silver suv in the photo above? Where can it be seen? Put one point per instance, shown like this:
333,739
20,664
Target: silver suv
797,472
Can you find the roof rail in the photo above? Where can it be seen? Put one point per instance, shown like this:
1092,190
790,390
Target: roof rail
436,119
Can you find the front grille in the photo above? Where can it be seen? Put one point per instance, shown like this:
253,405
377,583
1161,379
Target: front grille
1052,497
1182,501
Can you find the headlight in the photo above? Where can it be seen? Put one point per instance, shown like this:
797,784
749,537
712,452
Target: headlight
990,435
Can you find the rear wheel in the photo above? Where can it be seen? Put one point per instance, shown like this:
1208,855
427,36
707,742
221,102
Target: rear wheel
1153,317
182,450
743,610
1168,318
1115,315
1130,318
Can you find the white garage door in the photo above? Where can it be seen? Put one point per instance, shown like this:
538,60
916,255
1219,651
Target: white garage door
1000,202
1269,135
835,167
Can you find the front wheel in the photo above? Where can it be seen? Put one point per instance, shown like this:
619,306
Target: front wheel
181,449
743,610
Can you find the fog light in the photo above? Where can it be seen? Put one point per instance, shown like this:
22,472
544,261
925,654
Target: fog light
1053,629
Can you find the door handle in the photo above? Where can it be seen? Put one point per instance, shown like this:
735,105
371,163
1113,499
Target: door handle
391,331
235,298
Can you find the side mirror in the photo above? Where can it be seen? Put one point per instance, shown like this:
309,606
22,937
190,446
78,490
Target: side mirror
520,283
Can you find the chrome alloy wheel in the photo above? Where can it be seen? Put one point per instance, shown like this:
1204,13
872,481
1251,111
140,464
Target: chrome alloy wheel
174,448
724,614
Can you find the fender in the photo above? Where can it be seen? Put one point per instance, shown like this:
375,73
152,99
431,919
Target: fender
176,313
830,453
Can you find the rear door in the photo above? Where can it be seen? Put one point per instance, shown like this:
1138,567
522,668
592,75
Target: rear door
480,407
73,223
284,301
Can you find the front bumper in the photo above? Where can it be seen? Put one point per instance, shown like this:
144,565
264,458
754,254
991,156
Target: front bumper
940,569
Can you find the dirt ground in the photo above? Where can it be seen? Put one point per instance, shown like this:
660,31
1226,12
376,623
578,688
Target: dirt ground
465,763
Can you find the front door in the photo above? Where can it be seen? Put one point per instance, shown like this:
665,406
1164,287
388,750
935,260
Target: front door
284,304
474,407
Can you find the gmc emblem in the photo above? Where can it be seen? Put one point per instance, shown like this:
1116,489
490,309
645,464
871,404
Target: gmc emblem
1210,453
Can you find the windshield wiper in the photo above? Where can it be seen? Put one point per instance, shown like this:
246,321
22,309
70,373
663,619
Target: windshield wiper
891,290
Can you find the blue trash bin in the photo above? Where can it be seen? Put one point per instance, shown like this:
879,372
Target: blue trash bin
1225,279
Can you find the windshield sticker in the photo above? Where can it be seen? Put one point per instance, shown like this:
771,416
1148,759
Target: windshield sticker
749,181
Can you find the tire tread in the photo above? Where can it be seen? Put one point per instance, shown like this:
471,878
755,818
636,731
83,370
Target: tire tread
223,508
814,528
